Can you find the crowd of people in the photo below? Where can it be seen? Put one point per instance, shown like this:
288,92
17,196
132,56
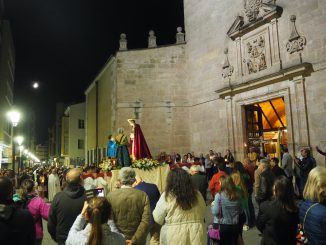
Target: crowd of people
273,195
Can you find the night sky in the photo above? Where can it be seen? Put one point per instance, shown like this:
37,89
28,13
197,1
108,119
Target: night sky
64,43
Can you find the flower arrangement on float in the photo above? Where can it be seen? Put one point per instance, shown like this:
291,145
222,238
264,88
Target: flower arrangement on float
146,164
109,164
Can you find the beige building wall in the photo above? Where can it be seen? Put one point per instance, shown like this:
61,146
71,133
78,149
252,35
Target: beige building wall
207,23
100,111
107,103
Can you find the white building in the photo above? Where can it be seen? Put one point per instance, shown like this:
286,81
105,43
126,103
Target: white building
73,135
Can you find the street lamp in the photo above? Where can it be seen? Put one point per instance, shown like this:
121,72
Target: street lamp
19,140
13,117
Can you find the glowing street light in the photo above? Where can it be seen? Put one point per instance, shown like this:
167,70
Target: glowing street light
19,140
14,117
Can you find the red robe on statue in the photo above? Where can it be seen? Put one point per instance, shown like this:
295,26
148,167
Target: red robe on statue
138,146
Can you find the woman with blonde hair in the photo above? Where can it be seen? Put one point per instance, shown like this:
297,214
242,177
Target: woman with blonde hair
243,196
99,230
312,211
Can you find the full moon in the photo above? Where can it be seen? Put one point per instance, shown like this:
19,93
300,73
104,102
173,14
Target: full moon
35,85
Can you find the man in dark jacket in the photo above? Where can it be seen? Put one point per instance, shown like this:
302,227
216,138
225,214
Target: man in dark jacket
305,164
16,225
153,195
199,180
265,188
66,206
277,171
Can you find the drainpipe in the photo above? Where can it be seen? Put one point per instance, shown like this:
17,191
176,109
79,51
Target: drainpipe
96,124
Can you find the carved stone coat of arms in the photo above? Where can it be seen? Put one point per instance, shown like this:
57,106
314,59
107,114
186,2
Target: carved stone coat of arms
256,60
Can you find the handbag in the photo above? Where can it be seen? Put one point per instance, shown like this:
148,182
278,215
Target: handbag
214,233
301,236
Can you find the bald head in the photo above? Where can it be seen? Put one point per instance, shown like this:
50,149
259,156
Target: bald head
73,176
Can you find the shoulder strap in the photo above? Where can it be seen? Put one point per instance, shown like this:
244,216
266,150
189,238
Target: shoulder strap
220,205
305,216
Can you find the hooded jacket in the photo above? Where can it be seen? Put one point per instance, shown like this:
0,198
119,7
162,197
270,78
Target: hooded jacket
65,208
16,226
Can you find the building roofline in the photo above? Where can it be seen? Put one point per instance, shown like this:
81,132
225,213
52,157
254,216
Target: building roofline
107,63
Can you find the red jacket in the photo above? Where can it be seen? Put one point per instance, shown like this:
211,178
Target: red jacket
214,185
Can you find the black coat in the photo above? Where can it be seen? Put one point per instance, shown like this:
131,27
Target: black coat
16,226
200,183
265,189
278,226
65,208
277,171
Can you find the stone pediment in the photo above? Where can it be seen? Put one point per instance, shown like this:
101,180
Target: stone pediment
304,69
255,14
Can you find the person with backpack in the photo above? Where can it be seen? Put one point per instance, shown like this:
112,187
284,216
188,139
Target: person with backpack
36,206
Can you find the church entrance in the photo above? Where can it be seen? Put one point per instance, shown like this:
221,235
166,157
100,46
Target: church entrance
266,128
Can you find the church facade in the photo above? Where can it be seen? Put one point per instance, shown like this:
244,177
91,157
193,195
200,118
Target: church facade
250,74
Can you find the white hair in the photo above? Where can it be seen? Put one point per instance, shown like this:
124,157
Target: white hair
127,176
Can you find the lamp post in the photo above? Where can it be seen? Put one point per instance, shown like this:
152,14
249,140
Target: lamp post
0,156
14,117
19,140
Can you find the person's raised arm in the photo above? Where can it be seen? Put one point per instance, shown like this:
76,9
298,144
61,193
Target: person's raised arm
320,152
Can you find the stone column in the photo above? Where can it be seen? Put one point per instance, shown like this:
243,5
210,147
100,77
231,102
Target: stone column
240,139
275,49
239,71
299,109
230,126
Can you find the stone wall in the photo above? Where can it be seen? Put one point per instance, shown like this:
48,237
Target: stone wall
151,87
221,118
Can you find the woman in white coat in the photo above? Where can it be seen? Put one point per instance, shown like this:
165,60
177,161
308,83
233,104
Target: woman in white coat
181,210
